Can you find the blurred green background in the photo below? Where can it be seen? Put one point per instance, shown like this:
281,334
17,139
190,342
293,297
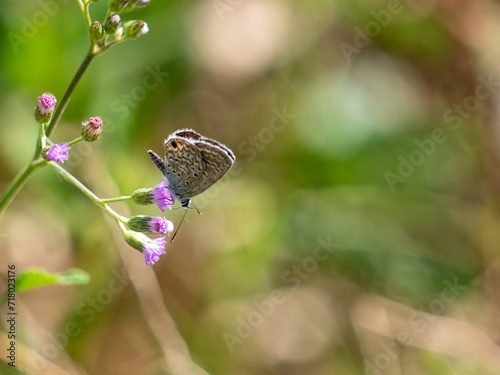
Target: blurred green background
357,234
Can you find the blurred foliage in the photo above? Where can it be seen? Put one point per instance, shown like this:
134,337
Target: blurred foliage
316,132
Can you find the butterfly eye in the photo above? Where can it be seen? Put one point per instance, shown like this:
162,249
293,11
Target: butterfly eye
173,144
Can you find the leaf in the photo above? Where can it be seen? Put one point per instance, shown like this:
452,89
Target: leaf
37,277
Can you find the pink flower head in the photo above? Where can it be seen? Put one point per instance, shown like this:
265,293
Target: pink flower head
153,249
160,225
162,196
58,152
148,224
150,248
46,104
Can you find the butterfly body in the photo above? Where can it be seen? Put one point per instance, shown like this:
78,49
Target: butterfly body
192,163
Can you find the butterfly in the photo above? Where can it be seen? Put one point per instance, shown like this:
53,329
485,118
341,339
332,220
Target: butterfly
192,164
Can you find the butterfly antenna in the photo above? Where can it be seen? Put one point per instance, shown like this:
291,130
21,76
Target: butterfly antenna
197,209
185,212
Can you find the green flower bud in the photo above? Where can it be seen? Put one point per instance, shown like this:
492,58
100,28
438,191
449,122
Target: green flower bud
134,29
96,31
143,196
112,23
119,6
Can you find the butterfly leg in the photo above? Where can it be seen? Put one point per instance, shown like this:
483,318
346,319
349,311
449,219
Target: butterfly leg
160,164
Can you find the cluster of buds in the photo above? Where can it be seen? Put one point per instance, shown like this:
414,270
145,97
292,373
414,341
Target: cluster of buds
91,129
113,24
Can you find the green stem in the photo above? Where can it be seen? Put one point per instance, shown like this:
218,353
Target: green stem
75,141
117,199
18,183
94,198
43,138
65,99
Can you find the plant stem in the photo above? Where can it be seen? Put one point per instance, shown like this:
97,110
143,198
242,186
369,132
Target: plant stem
94,198
36,163
75,141
18,183
117,199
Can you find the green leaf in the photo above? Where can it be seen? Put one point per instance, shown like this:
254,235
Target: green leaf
37,277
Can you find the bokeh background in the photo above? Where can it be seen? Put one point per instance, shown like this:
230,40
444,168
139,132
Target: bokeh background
357,234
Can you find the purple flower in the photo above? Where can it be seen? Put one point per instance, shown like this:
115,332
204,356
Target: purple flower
150,248
160,225
148,224
162,197
58,152
153,249
46,104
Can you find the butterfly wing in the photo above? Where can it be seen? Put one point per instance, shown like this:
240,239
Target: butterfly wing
217,159
193,163
184,165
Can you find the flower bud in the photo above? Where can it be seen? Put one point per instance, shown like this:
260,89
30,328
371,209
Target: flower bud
143,196
91,129
141,4
112,23
118,6
148,224
134,29
45,108
95,30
